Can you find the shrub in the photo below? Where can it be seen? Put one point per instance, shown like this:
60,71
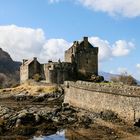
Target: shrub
98,78
37,77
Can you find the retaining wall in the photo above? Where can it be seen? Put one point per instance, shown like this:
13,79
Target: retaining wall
124,100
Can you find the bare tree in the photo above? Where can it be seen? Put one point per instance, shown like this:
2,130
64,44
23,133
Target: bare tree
124,78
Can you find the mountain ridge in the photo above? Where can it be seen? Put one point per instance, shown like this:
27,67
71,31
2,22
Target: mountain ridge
9,70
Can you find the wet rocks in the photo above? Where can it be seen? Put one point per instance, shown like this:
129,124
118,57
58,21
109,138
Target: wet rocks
4,110
25,131
109,115
45,112
1,126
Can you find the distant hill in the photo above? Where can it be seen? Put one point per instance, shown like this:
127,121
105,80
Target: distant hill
7,65
107,76
138,82
9,70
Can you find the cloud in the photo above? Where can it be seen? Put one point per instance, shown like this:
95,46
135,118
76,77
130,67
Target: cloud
54,49
126,8
104,48
122,48
108,51
138,66
21,42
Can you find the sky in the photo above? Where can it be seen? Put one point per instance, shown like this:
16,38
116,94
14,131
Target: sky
46,28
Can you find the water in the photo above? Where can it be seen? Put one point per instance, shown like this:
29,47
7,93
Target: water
67,134
58,136
81,134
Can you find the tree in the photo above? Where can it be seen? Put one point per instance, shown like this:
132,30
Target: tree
125,79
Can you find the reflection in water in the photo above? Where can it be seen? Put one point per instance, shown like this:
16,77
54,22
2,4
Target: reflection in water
68,134
80,134
58,136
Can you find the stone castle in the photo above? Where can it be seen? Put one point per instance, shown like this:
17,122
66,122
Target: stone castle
81,62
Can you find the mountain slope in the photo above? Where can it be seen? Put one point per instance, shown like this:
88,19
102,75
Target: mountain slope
9,70
107,76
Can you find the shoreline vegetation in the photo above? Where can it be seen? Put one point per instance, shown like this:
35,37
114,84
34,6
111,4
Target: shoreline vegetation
34,109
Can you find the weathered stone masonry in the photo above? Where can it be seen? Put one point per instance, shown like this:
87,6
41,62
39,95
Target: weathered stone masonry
124,100
85,58
81,62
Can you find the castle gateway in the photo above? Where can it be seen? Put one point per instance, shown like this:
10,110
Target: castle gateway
81,62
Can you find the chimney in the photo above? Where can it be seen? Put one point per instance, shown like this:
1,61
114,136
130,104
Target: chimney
24,60
35,58
75,43
85,41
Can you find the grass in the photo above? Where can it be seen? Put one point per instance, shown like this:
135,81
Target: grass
30,89
2,122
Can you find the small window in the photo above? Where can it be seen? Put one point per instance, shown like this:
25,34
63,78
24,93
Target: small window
87,61
72,50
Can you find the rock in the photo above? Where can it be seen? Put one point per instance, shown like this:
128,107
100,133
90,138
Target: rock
85,120
21,96
68,110
37,118
71,120
26,131
38,99
50,129
26,117
4,110
22,115
6,116
64,119
65,105
95,78
1,130
109,115
55,119
10,123
18,122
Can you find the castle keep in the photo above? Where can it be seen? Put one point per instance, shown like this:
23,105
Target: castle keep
81,62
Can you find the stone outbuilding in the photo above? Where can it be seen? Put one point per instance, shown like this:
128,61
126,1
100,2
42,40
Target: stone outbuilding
29,68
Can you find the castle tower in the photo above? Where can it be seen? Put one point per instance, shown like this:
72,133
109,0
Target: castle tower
85,58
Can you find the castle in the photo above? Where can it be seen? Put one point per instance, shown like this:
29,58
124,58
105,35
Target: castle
81,62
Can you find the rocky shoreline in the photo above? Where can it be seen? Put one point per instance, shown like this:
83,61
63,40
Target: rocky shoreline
45,114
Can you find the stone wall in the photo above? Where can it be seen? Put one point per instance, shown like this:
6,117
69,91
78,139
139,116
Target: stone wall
124,100
24,74
29,68
87,61
34,68
58,72
85,58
